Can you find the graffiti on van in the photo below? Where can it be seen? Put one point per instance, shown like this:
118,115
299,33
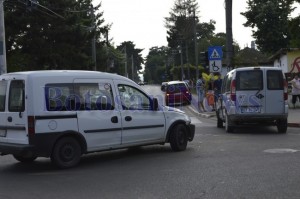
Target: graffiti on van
241,100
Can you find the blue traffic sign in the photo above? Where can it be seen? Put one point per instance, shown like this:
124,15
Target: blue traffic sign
215,53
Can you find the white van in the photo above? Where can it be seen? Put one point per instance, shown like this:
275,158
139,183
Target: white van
64,114
253,95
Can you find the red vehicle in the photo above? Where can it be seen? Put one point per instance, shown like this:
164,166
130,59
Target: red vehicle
177,93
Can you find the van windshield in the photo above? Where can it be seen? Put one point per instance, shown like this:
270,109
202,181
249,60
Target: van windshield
249,80
3,85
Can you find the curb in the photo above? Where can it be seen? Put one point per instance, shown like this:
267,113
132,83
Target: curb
205,114
296,125
212,114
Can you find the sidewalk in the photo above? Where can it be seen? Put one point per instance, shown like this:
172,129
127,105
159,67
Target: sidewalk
293,115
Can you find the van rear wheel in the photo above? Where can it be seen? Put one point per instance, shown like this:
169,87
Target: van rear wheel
66,153
228,125
178,138
282,125
25,158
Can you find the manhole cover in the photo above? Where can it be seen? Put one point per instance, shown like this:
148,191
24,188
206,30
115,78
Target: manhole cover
281,151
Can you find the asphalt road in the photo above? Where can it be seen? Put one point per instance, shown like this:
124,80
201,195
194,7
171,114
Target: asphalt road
254,162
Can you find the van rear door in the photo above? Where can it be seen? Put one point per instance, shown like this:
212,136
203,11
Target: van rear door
13,115
250,95
275,92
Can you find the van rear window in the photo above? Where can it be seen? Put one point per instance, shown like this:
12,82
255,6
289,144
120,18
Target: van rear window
249,80
274,80
16,102
3,85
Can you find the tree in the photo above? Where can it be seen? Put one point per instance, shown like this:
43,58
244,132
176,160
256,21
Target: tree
133,59
52,34
156,69
270,20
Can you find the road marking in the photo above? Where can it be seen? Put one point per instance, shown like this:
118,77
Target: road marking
281,151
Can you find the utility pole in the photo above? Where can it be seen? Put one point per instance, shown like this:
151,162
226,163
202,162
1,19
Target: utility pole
93,39
126,73
229,39
3,67
181,60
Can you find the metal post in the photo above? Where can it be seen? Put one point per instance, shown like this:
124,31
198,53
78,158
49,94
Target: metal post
196,45
181,59
3,67
126,73
132,65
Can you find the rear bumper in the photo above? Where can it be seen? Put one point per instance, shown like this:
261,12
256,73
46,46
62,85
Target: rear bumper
191,129
16,149
256,117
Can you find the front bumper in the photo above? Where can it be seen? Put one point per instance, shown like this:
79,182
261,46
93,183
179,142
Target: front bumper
191,132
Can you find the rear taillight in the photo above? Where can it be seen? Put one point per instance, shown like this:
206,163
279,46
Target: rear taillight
31,129
285,90
233,90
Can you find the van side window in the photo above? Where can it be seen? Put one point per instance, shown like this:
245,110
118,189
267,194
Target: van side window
3,86
249,80
274,80
79,97
16,100
133,99
95,96
60,97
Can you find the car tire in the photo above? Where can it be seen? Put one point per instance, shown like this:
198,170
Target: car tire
282,125
66,153
228,124
219,120
25,159
178,138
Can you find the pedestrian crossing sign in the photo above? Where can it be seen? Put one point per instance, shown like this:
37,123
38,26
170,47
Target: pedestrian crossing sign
215,53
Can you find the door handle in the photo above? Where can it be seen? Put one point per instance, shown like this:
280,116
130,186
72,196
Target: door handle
128,118
9,119
114,119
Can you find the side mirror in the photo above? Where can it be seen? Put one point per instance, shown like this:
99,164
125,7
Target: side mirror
155,104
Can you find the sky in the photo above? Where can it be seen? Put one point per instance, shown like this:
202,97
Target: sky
142,21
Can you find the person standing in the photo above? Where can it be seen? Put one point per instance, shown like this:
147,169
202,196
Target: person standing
200,88
295,89
217,88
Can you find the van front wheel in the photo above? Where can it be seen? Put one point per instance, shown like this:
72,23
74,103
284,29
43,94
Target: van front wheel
178,138
66,153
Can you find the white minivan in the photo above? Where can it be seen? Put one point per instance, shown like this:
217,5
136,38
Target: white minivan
253,95
64,114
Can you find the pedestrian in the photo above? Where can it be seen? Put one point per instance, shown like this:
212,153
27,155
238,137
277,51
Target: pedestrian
295,89
217,88
200,88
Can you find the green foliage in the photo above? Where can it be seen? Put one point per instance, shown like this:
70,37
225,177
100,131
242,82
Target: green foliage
270,20
52,34
294,29
155,66
133,58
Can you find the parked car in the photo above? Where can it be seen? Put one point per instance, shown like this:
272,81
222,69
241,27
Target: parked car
253,95
177,92
163,86
65,114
